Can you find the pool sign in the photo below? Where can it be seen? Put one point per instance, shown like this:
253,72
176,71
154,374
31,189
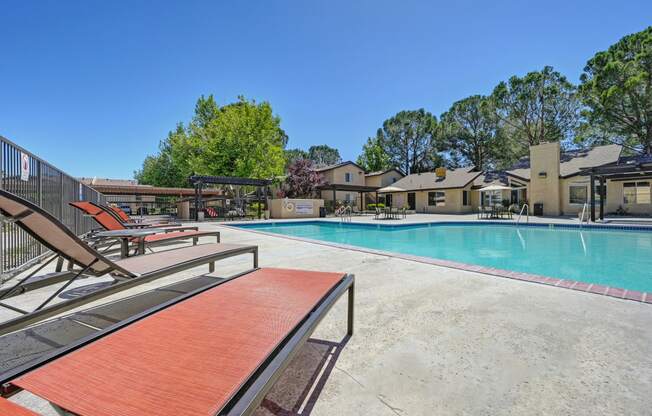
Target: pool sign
301,207
24,166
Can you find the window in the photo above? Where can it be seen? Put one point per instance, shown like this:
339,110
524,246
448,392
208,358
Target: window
393,180
347,198
347,177
436,199
577,194
466,198
636,192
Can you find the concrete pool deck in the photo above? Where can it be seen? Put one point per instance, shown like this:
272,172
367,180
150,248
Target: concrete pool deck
435,340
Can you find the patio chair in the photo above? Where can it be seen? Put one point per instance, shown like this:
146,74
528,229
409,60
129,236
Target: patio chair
168,234
126,272
105,213
126,219
217,350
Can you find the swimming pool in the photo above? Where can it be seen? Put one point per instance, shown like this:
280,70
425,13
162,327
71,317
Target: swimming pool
610,257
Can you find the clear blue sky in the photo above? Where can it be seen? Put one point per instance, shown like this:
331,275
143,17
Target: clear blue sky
92,86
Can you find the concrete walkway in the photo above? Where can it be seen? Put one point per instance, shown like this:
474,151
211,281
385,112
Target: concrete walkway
431,340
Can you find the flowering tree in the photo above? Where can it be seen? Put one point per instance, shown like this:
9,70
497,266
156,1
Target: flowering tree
301,181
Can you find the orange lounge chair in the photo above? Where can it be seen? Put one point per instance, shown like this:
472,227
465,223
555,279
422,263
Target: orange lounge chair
215,351
111,223
126,219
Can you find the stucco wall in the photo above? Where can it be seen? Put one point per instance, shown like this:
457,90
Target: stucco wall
282,208
546,190
337,175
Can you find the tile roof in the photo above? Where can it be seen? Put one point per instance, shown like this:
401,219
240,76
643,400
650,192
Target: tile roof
456,178
571,163
382,172
337,165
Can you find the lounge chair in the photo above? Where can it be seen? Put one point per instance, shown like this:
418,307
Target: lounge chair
111,221
126,272
126,219
217,350
168,234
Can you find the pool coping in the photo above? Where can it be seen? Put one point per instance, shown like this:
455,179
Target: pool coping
611,291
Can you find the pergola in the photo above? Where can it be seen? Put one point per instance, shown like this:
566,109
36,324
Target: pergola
199,181
632,168
360,189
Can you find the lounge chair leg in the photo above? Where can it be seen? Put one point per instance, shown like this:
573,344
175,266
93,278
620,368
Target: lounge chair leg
256,258
59,264
211,267
194,241
218,237
349,321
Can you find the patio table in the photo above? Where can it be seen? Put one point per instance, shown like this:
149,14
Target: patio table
126,236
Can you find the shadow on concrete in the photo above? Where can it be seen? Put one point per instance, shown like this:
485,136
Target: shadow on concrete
297,390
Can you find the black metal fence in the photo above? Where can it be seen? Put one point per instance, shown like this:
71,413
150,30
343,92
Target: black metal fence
32,178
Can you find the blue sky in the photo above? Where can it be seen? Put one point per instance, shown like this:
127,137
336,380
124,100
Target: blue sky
93,86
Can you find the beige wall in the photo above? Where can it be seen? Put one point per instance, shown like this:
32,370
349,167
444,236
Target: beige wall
383,180
282,208
545,190
453,203
337,175
614,200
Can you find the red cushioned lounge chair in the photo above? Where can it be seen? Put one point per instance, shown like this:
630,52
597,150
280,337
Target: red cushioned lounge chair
168,234
215,351
65,245
126,219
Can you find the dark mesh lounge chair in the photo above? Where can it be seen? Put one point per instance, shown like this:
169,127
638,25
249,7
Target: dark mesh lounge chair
126,273
110,223
216,351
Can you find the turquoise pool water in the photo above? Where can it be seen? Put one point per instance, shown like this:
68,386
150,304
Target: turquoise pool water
612,257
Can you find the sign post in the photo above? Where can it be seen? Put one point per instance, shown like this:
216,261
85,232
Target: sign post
24,167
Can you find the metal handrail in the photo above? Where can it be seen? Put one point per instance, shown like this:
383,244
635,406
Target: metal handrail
527,212
345,214
584,207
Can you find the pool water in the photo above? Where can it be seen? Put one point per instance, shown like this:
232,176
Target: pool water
613,257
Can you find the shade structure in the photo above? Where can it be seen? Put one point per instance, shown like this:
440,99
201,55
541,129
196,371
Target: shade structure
389,189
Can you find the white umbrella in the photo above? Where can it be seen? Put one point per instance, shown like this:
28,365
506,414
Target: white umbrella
389,189
495,188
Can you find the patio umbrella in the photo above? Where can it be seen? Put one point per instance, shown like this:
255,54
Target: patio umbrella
491,188
389,189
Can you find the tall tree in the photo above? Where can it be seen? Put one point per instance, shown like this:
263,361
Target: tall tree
324,155
373,157
616,86
470,132
244,140
292,155
163,168
409,139
540,107
239,139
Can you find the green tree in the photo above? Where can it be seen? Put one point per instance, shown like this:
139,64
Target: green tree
245,139
540,107
324,155
239,139
410,140
616,86
373,157
162,169
470,132
292,155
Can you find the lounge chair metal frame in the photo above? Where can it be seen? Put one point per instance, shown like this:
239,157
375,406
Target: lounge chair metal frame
252,392
123,278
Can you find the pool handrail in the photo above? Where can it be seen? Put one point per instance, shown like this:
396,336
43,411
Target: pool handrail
527,213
